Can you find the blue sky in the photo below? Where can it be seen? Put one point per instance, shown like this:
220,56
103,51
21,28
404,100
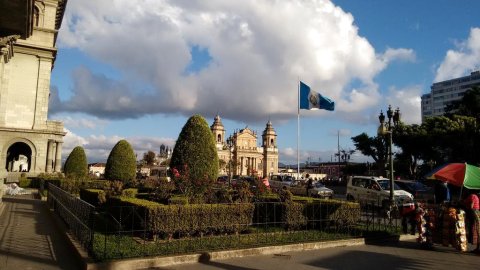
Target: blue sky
139,69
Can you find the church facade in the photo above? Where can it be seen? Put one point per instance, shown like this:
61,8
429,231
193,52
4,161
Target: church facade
239,154
29,142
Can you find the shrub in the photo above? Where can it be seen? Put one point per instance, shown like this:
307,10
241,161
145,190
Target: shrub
194,159
161,190
94,197
293,215
224,195
76,163
121,163
130,192
285,195
70,185
196,219
113,188
24,182
302,211
182,200
244,194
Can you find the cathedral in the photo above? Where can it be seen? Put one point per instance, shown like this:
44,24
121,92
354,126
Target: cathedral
29,143
239,153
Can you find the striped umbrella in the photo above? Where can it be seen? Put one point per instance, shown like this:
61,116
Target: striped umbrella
458,174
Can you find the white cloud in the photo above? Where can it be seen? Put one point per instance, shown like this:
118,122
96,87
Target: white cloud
258,50
97,148
78,122
463,60
390,55
408,100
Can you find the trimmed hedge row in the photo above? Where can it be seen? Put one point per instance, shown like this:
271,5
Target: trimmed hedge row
130,192
182,200
195,219
92,196
305,211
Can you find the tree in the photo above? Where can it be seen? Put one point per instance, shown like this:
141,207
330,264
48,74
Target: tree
415,145
374,147
222,164
149,158
76,163
469,105
121,163
195,155
452,139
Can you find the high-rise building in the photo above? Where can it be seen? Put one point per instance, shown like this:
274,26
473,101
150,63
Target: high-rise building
240,152
29,142
446,92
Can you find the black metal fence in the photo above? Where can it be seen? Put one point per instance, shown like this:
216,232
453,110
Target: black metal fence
126,231
77,214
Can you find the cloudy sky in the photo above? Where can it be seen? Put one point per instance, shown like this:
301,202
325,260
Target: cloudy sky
137,69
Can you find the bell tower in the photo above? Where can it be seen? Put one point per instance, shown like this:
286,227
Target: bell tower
218,131
270,150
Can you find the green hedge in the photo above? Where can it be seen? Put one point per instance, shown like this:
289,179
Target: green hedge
305,212
24,182
195,219
182,200
92,196
130,192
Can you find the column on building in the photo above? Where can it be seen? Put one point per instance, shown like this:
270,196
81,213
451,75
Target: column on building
49,156
58,157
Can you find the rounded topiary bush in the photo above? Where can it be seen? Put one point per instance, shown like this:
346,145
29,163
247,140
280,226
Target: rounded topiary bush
195,153
121,163
76,163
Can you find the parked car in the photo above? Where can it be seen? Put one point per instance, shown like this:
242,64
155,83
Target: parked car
278,181
318,190
419,190
223,179
375,190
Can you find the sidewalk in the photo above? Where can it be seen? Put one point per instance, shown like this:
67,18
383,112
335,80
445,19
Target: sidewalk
29,239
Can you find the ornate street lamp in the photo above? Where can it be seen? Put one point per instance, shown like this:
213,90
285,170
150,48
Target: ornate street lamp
230,143
387,129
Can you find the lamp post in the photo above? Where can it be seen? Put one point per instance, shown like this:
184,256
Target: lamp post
230,143
386,128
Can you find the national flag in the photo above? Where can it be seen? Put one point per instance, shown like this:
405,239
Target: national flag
311,100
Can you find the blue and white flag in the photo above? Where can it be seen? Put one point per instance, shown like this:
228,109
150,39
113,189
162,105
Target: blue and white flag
311,100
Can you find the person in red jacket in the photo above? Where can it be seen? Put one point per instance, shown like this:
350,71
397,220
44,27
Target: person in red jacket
472,205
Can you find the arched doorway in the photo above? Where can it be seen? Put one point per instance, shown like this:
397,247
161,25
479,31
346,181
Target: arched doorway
19,158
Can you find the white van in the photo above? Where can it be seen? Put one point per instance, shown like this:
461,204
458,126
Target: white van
375,190
278,181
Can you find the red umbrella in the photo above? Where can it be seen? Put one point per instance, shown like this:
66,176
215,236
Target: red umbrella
458,174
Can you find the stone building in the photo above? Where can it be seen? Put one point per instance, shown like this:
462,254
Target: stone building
29,142
239,153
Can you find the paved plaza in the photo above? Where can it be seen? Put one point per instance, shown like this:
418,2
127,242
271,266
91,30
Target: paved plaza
381,256
30,239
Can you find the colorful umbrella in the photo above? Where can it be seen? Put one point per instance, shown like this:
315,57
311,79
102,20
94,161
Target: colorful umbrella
458,174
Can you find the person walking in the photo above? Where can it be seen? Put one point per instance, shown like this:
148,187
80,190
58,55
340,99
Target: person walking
309,184
472,205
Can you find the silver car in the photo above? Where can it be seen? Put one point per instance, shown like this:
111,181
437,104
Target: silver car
318,190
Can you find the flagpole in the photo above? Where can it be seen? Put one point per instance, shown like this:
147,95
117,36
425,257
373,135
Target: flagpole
298,132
